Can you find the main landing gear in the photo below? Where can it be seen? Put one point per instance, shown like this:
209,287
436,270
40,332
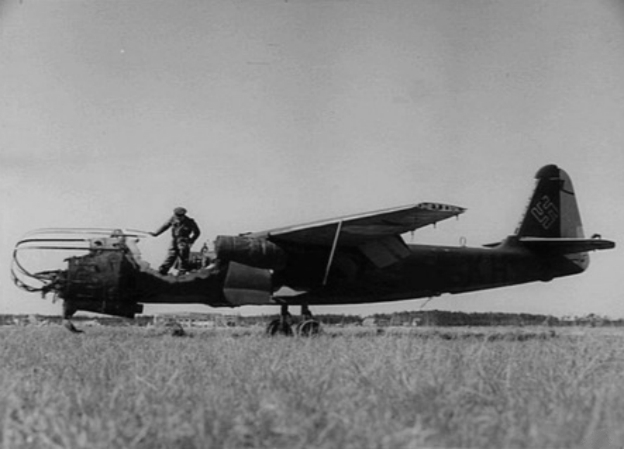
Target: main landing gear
283,325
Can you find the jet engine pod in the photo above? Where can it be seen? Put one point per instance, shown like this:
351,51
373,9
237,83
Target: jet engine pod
254,252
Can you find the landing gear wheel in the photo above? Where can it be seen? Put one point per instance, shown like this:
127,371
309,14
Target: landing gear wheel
70,327
279,327
68,311
308,328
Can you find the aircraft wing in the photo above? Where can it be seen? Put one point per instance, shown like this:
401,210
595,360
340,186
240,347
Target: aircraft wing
355,230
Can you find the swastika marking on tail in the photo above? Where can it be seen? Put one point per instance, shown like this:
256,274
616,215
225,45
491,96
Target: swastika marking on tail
545,212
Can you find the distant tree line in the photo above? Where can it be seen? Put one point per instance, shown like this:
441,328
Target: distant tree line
415,318
447,318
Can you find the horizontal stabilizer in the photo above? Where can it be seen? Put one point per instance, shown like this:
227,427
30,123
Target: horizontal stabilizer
565,245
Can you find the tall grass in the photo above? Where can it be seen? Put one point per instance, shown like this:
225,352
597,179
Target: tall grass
138,388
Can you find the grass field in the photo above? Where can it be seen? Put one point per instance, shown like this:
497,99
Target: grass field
130,387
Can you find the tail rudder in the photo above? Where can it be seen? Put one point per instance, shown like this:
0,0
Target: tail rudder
552,211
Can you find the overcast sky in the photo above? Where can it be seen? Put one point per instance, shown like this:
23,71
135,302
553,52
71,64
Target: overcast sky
258,114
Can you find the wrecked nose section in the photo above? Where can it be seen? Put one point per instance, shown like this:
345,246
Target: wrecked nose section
93,269
103,272
102,282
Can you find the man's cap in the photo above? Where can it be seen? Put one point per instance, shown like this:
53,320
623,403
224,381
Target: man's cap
179,211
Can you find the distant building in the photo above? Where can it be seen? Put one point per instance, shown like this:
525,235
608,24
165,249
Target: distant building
369,322
203,320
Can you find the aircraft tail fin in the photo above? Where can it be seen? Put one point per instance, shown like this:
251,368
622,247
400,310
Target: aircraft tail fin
552,221
552,211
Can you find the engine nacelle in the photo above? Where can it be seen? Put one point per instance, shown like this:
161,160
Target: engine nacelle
254,252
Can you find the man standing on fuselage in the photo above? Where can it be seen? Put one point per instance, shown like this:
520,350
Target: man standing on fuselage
184,232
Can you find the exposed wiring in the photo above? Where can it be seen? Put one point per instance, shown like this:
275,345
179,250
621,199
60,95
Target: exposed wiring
59,239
